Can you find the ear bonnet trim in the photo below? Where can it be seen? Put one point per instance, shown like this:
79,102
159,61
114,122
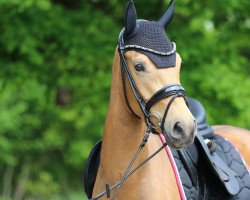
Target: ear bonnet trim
151,50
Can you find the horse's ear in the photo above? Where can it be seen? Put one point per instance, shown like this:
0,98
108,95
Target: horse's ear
167,16
130,18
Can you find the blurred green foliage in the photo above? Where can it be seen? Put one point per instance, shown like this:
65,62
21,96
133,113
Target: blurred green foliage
55,71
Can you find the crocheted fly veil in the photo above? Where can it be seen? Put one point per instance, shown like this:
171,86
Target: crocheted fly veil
149,37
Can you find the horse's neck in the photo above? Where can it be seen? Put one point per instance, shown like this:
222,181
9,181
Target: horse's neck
122,136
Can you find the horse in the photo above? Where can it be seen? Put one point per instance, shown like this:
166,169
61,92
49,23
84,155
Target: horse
146,99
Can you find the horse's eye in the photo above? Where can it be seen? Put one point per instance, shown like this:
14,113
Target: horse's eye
139,67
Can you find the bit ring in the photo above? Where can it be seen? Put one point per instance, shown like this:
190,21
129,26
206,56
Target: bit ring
150,121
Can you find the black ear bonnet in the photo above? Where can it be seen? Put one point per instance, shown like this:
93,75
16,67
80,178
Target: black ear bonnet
149,37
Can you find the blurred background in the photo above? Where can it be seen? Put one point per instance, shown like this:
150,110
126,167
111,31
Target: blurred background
55,70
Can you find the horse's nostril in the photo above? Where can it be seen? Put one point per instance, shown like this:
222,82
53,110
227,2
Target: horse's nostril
178,131
178,127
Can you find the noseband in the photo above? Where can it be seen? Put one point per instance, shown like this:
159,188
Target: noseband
172,90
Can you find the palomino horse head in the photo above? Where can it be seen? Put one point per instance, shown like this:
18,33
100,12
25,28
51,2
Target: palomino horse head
152,86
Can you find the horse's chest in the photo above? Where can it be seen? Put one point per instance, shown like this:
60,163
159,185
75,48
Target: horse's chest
153,181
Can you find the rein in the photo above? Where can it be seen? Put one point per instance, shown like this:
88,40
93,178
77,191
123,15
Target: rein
173,91
127,173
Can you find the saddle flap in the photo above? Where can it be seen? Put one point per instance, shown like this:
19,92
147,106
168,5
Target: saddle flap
221,170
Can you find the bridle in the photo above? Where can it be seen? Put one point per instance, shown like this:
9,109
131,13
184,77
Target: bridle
172,90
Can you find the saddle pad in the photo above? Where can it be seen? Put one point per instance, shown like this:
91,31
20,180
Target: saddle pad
208,186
